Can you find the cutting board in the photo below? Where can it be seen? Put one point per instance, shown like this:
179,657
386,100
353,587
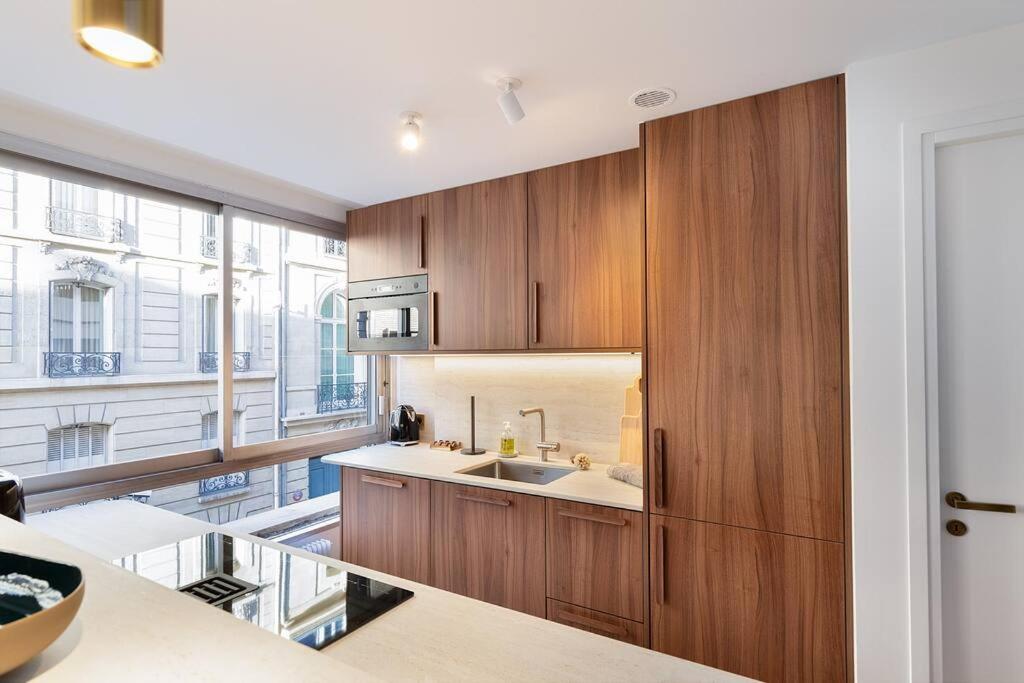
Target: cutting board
631,428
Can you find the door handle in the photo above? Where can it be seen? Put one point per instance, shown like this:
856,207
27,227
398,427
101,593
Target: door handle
433,318
534,314
955,499
481,499
614,521
421,248
659,596
659,467
390,483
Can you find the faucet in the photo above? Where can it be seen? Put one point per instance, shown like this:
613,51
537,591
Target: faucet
543,446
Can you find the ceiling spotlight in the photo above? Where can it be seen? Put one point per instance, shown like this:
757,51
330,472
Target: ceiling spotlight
411,130
128,33
508,101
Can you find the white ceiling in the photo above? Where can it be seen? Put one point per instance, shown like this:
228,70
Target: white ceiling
310,91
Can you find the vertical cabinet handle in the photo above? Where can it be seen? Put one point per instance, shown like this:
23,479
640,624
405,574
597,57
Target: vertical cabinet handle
662,570
421,244
534,317
433,318
659,467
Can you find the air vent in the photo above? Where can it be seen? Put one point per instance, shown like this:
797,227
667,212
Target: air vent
217,589
649,98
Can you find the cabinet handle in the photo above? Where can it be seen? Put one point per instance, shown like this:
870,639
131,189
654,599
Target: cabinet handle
433,318
662,569
480,499
390,483
614,521
420,247
534,316
579,619
659,467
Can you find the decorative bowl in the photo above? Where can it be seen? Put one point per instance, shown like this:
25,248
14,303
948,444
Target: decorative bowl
24,635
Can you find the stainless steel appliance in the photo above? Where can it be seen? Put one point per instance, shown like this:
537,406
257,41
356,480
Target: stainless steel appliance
388,316
404,429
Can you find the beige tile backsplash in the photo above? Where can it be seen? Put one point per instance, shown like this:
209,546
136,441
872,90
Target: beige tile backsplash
582,397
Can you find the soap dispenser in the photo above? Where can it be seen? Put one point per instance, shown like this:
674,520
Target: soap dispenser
508,442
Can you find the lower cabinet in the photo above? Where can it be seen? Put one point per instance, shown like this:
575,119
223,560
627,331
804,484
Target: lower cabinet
386,523
609,625
488,545
764,605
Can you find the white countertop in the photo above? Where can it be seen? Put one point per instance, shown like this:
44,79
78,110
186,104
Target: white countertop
585,486
132,629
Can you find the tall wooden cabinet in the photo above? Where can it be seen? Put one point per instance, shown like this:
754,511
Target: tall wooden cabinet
745,381
586,253
388,240
476,251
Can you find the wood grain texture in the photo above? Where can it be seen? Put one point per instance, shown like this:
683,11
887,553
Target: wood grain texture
760,604
585,252
384,239
386,528
744,328
607,625
595,557
476,246
489,545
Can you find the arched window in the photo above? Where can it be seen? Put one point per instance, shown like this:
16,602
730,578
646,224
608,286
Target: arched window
336,366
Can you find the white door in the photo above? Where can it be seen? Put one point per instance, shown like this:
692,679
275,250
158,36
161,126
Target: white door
979,287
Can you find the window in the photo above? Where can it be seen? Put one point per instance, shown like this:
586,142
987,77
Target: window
76,446
209,428
76,318
208,356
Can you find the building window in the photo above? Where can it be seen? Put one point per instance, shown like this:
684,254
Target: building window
76,318
337,389
242,359
209,428
77,446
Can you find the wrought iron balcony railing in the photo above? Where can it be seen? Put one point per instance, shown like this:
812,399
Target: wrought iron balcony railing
241,252
224,485
331,398
83,224
82,364
333,247
241,361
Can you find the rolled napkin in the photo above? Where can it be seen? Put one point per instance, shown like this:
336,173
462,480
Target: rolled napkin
627,472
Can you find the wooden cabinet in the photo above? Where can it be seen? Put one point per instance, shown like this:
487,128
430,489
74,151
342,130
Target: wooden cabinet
764,605
489,545
387,240
586,253
744,324
476,251
595,558
608,625
386,523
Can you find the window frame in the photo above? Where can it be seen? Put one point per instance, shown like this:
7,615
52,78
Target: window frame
77,338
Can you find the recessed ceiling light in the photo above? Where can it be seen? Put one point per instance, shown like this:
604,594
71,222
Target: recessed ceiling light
127,33
508,101
410,137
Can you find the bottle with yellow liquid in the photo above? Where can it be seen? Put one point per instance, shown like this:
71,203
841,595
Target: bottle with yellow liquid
508,442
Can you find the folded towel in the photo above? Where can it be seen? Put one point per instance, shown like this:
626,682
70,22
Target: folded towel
627,472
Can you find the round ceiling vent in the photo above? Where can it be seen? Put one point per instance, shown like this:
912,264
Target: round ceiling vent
649,98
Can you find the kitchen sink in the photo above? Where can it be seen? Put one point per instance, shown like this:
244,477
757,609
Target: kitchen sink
518,471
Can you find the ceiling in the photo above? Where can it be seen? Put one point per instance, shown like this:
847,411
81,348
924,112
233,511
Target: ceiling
310,92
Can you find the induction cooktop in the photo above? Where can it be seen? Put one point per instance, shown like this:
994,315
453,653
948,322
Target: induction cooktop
298,598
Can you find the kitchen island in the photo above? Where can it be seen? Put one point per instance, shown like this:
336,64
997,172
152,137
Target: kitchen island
132,629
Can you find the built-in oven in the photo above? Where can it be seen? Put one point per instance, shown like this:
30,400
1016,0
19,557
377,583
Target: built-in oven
388,316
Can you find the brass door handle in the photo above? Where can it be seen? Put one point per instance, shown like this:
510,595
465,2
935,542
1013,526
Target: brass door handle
955,499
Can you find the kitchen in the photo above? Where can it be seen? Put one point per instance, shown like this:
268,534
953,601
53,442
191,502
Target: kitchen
509,394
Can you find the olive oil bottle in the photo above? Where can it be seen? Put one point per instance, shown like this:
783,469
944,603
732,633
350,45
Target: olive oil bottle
508,442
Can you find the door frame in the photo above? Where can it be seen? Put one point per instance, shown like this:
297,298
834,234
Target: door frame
920,140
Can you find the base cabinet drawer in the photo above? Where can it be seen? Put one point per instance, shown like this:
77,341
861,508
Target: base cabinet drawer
608,625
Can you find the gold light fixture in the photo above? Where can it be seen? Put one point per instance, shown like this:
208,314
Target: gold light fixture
128,33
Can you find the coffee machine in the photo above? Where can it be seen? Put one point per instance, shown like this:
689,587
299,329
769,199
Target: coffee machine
404,429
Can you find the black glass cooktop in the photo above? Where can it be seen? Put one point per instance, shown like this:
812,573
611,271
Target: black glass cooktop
307,601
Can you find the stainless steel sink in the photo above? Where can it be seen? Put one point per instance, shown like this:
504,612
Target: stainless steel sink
518,471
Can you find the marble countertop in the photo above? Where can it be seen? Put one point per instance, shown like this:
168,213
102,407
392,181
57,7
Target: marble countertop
585,486
132,629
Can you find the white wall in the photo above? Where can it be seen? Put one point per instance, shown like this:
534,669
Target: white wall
882,94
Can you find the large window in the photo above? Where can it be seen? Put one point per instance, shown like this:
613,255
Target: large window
76,446
76,318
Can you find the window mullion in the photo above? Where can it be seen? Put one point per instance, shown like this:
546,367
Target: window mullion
225,310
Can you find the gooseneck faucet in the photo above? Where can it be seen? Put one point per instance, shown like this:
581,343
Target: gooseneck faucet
543,446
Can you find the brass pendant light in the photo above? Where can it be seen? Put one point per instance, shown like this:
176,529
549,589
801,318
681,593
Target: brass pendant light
128,33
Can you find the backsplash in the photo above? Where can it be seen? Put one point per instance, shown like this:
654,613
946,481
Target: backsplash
582,397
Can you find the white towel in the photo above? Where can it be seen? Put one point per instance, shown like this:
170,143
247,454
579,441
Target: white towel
627,472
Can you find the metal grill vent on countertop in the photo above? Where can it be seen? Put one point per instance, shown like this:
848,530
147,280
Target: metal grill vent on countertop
649,98
217,589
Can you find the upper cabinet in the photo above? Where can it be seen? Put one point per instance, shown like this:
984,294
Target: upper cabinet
586,254
476,257
387,240
744,312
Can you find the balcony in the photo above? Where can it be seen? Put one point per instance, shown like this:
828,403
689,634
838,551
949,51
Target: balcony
222,486
240,360
82,364
331,398
334,248
84,225
242,253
